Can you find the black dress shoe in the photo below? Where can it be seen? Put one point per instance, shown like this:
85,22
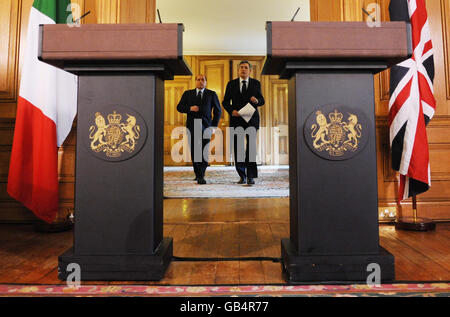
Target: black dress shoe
201,181
250,181
242,180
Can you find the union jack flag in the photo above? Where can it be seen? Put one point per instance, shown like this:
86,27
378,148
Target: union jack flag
412,103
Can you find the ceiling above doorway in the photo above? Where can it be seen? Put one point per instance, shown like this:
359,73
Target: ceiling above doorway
231,27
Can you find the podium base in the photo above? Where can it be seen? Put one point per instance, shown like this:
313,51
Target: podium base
327,268
418,224
119,267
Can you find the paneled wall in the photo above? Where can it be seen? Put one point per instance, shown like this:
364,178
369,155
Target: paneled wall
436,202
13,33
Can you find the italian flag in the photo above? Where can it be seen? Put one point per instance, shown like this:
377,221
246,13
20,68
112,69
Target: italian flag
46,109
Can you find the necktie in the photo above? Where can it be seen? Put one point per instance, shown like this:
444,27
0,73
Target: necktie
244,87
199,96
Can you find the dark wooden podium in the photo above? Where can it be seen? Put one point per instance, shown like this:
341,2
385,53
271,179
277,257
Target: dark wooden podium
332,144
121,70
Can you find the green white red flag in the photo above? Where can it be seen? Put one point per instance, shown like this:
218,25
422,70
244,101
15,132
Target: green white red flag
46,109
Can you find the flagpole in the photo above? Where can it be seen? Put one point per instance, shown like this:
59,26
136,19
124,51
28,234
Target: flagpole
414,206
415,223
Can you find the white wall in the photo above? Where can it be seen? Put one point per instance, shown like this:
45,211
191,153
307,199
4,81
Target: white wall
228,27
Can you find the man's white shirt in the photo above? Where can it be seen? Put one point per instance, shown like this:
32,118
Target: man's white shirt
241,83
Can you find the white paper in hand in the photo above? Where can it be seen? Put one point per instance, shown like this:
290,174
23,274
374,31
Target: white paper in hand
247,112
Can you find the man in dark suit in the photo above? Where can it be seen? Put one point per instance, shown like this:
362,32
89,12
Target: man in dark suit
238,94
198,103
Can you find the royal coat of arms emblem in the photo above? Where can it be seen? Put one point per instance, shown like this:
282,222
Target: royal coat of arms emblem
336,136
336,132
116,137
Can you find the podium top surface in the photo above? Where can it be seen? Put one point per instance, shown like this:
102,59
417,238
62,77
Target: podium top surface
62,45
388,42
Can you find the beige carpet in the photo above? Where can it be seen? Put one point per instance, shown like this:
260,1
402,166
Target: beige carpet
272,181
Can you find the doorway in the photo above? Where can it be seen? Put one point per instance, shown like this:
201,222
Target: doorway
272,147
272,139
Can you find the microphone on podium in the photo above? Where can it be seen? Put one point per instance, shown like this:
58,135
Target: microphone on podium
292,20
159,16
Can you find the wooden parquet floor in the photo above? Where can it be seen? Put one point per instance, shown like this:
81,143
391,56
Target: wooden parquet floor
210,228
